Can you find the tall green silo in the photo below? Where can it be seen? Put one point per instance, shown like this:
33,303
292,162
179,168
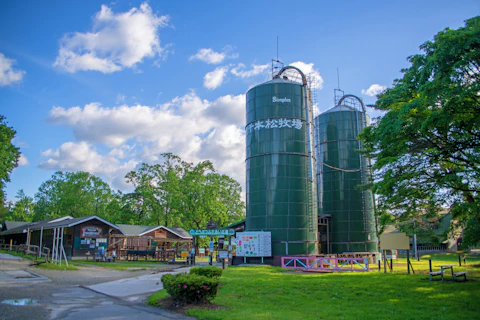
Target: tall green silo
341,169
280,164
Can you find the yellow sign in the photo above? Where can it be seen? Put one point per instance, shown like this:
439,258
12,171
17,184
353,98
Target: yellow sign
184,254
392,241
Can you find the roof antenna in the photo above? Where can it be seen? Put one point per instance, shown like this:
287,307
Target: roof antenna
276,64
337,93
277,47
338,79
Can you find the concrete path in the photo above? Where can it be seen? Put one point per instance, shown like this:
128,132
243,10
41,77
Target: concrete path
57,299
77,303
134,289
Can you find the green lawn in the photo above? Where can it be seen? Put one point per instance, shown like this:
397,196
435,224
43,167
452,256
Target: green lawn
273,293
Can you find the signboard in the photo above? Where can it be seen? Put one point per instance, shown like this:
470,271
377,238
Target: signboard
201,250
88,232
254,244
213,232
397,240
222,254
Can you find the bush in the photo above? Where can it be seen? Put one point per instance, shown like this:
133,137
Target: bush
190,288
209,272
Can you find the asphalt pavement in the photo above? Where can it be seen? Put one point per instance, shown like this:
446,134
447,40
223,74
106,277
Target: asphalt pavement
81,294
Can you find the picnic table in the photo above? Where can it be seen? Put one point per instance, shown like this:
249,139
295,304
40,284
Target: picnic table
444,267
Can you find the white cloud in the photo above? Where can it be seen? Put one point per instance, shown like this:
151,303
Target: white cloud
22,161
214,79
209,56
9,75
83,156
374,90
256,70
117,41
193,128
308,70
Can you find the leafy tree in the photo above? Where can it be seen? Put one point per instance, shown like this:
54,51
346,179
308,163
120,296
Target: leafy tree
9,155
427,146
157,190
178,193
23,209
73,193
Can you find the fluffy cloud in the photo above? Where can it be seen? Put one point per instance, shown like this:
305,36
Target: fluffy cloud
22,161
214,79
8,75
256,70
83,156
117,41
374,90
191,127
309,71
209,56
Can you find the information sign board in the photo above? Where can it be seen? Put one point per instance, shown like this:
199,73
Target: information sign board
212,232
254,244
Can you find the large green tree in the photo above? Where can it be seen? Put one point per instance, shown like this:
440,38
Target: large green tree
9,155
178,193
75,194
427,145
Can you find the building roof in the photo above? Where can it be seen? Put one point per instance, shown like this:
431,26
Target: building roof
8,225
236,224
63,222
134,230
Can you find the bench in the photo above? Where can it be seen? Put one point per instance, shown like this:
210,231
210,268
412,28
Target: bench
459,274
435,273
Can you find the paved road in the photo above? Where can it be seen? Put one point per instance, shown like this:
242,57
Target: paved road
89,293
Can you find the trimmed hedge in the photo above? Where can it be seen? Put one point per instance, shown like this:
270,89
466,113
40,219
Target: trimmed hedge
190,288
209,272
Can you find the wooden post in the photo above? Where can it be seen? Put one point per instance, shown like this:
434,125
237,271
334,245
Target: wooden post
408,261
459,261
391,264
430,264
384,261
41,242
10,245
379,266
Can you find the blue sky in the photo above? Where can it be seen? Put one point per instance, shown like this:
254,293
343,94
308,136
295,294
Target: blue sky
103,86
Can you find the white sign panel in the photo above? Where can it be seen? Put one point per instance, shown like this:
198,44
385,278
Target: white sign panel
254,244
275,123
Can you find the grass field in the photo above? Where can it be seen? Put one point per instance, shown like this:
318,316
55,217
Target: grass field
266,292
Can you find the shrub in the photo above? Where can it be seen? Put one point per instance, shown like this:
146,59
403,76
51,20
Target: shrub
190,288
209,272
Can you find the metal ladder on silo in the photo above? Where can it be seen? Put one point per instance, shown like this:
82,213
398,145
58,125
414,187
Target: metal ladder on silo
312,84
362,173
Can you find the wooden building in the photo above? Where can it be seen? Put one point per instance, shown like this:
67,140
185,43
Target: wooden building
159,242
80,235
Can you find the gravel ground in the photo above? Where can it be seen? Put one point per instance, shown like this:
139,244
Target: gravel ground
44,292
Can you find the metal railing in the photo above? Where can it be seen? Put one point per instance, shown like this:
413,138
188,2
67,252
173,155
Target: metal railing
326,264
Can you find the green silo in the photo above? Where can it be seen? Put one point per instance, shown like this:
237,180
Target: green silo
340,171
280,164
